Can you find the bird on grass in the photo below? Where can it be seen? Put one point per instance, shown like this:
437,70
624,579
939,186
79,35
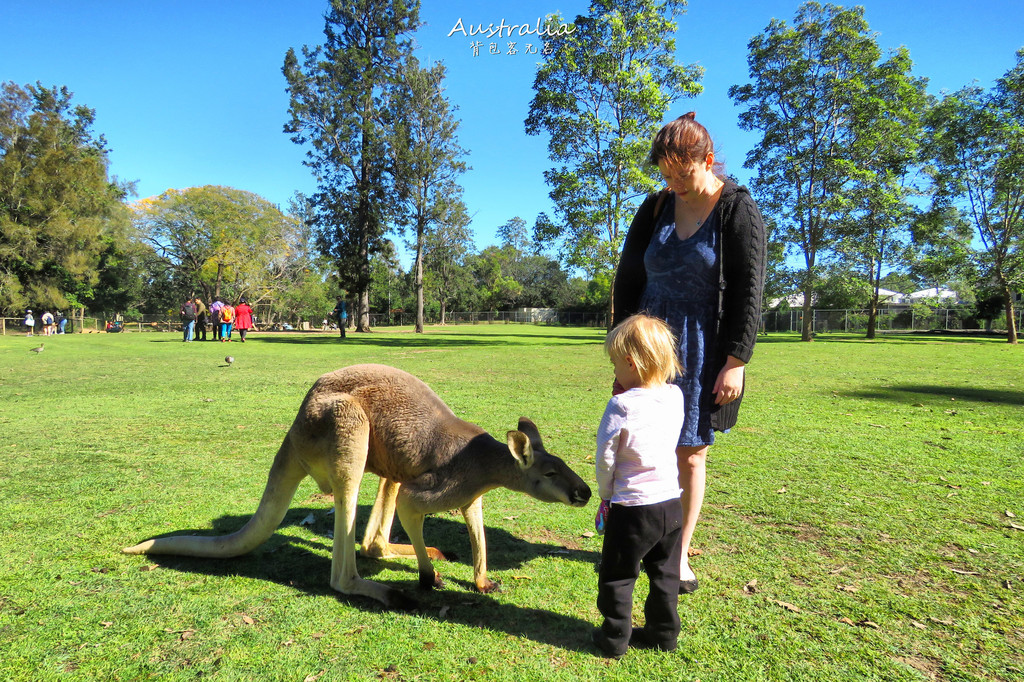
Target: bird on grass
38,349
229,359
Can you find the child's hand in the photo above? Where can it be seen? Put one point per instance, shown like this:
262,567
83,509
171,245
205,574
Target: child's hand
601,520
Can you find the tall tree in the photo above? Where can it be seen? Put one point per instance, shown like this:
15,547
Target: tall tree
214,236
601,96
428,159
806,82
445,250
886,131
59,209
339,98
977,142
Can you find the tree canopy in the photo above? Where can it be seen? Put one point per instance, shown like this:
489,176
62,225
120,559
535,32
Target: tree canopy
59,209
341,107
218,240
428,159
808,82
977,143
600,96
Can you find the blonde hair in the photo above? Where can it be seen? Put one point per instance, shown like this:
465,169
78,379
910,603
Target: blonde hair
651,345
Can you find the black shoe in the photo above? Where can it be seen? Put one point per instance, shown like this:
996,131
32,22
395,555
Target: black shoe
607,649
688,586
639,639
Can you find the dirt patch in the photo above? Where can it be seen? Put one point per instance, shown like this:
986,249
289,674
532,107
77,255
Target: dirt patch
553,538
928,667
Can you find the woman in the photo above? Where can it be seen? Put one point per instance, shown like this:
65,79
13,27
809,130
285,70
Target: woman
227,319
243,318
695,256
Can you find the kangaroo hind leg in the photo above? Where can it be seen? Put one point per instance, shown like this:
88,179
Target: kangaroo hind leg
344,464
377,539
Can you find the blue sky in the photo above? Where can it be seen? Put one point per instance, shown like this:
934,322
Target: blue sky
191,93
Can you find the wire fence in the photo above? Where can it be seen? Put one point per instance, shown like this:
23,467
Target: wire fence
887,320
823,321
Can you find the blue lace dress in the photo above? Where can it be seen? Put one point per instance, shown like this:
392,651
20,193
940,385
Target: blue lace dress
682,289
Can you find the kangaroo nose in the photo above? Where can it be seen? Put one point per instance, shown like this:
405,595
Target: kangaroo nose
581,496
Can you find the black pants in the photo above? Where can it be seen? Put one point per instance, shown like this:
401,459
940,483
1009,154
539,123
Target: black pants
651,534
201,328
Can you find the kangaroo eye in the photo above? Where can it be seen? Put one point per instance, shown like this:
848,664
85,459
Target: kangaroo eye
551,474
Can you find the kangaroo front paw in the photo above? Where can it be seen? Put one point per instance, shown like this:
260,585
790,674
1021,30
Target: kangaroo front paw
430,581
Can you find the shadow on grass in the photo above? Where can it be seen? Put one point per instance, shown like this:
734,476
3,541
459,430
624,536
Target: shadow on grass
912,394
293,562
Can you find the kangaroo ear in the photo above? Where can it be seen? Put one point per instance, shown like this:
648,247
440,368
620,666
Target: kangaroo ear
531,431
519,446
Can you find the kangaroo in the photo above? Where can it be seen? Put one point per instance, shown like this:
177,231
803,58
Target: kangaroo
383,420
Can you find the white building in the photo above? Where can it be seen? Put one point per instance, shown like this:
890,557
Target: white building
937,293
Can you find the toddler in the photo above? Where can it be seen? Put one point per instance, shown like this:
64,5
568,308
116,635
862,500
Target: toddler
638,481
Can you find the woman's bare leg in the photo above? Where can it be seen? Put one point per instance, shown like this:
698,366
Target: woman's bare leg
692,477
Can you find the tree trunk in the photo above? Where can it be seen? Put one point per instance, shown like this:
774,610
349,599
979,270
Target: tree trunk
611,302
363,319
872,316
220,275
419,279
806,333
1011,320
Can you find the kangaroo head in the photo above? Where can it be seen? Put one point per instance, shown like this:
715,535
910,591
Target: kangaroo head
544,476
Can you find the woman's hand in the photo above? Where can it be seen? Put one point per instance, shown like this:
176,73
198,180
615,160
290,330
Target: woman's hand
729,385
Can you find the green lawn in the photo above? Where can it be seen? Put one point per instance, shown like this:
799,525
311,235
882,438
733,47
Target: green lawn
864,521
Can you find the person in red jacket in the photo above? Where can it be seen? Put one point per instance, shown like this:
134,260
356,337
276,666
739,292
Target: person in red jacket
243,318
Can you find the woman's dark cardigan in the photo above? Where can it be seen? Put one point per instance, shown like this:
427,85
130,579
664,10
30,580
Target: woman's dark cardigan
741,258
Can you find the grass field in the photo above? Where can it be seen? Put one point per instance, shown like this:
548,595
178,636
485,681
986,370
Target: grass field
864,521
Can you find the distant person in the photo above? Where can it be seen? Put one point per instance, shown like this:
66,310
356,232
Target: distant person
215,320
188,320
243,318
638,481
62,322
340,313
694,256
201,315
29,323
227,319
49,326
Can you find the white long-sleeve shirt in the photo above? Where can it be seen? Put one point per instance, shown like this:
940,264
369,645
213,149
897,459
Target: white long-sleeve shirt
636,446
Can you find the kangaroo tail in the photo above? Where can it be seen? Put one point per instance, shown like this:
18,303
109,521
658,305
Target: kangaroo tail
285,476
